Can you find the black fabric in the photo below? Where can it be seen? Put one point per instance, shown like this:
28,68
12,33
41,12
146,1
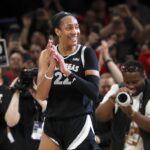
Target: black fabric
65,100
30,111
146,97
18,137
65,131
90,86
5,97
5,145
67,105
89,143
102,129
91,61
120,126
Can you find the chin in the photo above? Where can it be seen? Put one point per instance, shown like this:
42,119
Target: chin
73,43
135,93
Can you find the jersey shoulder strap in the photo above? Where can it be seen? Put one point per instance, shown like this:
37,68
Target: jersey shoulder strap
82,55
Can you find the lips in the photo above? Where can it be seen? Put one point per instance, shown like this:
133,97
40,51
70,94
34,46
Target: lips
74,39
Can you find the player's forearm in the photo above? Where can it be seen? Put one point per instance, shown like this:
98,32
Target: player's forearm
44,83
88,86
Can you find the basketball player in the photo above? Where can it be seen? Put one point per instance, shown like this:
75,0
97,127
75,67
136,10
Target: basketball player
68,78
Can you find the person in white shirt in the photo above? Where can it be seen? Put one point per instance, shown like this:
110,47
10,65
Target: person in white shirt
131,123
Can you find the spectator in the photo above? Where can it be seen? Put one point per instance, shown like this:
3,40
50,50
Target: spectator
16,60
103,129
131,120
5,96
27,129
35,51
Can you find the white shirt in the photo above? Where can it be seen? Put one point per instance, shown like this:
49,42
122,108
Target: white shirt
134,140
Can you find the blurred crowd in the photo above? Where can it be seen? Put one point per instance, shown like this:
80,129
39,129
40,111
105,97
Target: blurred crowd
120,33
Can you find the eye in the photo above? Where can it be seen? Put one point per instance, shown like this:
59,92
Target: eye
69,27
77,26
72,26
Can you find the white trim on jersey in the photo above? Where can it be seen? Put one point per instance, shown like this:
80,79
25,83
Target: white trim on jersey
54,141
82,56
78,47
82,53
83,134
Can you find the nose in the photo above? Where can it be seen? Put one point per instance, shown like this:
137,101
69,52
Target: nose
131,86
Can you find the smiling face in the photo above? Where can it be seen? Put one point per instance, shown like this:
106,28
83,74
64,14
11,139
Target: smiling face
16,61
68,31
134,81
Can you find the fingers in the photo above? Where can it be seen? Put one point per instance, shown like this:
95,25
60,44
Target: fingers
126,90
50,43
50,46
52,52
104,43
55,58
61,63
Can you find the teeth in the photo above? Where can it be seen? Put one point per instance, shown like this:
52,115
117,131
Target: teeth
73,39
132,92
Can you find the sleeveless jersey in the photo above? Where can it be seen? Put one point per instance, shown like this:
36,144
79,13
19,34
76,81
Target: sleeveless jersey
64,99
5,97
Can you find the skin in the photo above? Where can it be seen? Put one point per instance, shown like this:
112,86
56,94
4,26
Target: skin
105,85
16,61
134,82
134,85
67,32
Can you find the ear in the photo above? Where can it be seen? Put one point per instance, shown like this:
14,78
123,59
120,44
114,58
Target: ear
57,32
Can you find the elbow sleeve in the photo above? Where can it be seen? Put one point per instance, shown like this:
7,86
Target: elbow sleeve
88,86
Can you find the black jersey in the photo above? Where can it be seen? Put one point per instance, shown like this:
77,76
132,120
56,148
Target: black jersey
5,97
30,111
64,99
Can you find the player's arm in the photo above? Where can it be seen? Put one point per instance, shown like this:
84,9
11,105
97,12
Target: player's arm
90,84
47,65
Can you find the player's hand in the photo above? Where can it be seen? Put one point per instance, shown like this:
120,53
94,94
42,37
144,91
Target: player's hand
62,66
52,52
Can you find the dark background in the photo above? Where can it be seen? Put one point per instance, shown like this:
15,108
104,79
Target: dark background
15,8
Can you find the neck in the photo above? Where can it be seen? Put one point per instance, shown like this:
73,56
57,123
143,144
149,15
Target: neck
66,50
